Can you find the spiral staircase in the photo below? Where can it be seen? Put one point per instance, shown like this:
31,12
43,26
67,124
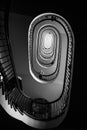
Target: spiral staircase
39,108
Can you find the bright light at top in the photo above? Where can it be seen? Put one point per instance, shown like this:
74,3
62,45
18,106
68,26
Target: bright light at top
47,40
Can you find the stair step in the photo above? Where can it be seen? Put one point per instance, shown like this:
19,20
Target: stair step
10,76
17,97
27,105
9,98
4,48
4,54
6,64
20,103
5,59
7,94
9,67
14,107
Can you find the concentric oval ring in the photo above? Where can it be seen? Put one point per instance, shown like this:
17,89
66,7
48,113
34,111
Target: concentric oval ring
46,56
44,63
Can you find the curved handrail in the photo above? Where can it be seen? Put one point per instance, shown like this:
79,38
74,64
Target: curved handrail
15,96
